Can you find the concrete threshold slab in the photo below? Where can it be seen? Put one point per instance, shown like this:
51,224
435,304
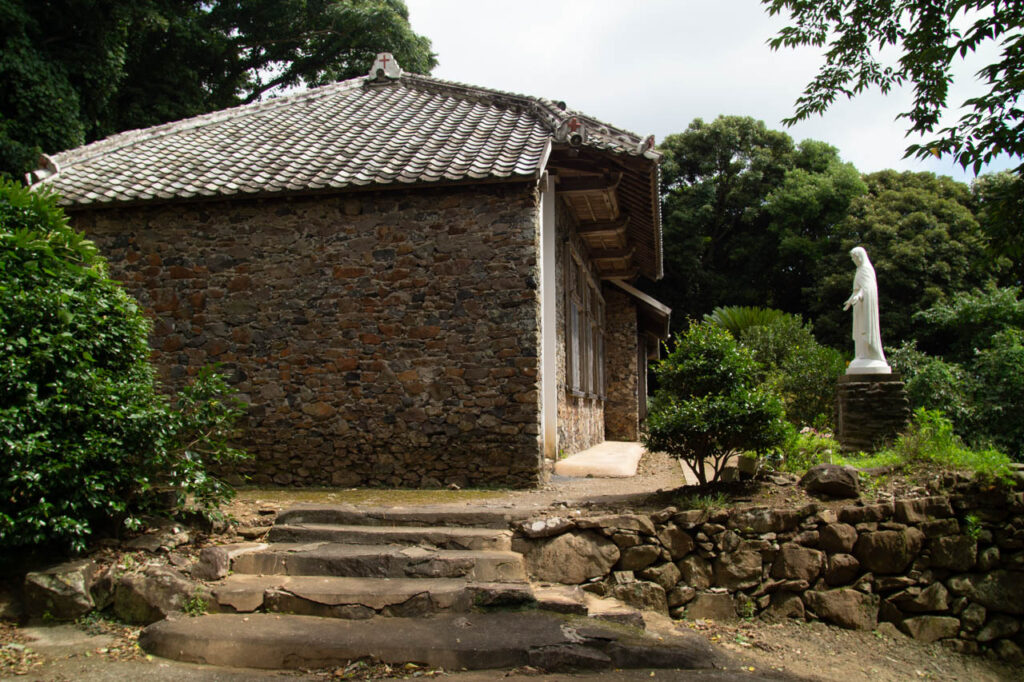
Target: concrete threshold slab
610,459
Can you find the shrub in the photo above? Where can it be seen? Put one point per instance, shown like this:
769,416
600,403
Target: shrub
707,407
958,327
85,437
738,318
796,367
999,398
806,448
934,384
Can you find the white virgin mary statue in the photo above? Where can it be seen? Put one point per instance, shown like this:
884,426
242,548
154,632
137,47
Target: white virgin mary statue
867,335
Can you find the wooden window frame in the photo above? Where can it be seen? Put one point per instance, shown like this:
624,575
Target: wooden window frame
584,330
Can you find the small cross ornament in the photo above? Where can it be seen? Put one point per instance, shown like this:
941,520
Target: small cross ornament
385,66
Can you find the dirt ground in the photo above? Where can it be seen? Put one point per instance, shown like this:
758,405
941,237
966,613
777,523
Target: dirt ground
101,650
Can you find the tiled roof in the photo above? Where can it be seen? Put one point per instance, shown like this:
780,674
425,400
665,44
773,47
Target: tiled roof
411,129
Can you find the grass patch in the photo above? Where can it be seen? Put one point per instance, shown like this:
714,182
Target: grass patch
931,440
715,500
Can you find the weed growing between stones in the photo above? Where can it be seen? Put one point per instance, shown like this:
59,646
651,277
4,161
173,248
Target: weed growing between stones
195,605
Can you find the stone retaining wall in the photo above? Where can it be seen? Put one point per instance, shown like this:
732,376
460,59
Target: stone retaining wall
948,569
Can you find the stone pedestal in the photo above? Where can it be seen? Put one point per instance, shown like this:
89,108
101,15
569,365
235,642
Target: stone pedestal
873,410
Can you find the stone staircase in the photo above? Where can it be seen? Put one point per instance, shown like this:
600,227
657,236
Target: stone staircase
424,585
323,561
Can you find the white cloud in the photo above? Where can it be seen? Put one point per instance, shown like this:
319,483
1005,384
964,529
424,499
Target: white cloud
652,66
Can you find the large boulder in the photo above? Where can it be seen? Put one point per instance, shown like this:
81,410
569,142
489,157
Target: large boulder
841,569
666,575
888,551
837,538
997,591
144,598
61,592
571,558
832,480
738,570
956,552
785,605
696,572
845,607
795,562
718,606
641,594
931,628
638,557
933,598
676,540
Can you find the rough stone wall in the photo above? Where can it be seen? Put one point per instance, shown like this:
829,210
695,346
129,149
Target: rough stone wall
621,410
941,568
580,418
385,338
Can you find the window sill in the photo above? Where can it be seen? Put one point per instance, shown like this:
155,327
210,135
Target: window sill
583,395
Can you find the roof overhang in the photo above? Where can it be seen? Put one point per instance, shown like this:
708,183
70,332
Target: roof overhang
653,316
615,202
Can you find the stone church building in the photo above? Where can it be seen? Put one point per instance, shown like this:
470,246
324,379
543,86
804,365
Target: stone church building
412,282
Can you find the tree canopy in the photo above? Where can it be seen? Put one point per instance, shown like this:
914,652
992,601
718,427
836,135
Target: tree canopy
79,70
929,37
925,242
745,211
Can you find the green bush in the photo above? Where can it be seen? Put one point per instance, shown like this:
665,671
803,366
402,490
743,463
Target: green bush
806,448
999,396
934,384
707,406
796,367
738,318
956,328
978,377
85,437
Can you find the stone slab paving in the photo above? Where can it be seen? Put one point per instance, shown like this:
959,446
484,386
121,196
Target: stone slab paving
422,515
382,561
439,537
473,641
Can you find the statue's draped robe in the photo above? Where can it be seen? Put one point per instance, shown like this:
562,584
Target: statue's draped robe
867,333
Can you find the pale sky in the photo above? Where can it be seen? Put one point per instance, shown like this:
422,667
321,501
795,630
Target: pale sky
652,66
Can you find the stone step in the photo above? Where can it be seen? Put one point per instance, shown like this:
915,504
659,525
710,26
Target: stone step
439,537
470,641
358,598
350,515
381,561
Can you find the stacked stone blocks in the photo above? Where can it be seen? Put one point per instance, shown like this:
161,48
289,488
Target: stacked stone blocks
380,338
947,569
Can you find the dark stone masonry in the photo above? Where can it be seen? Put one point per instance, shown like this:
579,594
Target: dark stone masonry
872,410
622,341
381,338
941,568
